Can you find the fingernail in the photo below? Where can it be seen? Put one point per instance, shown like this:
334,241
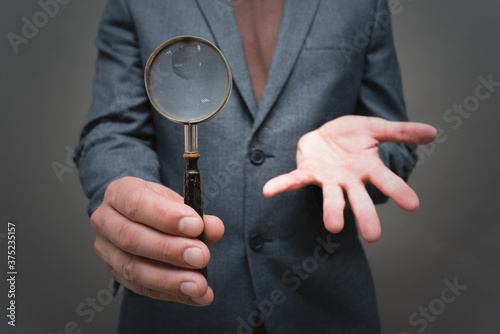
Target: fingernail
204,300
194,257
191,226
190,289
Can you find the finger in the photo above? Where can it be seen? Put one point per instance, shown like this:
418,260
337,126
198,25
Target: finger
141,240
333,207
288,182
155,294
165,192
394,187
135,199
214,229
364,210
411,133
151,278
204,300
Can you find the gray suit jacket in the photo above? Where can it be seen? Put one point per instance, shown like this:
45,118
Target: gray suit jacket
276,259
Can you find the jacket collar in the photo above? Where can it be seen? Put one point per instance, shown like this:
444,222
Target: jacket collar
221,21
297,18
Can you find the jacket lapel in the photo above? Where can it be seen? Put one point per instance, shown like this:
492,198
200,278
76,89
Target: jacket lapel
297,18
220,18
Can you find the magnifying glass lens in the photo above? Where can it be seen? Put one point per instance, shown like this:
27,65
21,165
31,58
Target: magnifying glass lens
186,61
188,81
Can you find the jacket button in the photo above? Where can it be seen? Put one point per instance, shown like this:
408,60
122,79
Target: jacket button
256,242
257,157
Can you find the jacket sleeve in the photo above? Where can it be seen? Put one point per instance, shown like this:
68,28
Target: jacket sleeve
118,137
381,94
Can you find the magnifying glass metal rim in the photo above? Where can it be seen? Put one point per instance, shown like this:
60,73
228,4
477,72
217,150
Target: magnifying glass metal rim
158,51
192,176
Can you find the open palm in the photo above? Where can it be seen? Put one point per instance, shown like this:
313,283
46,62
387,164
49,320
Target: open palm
342,156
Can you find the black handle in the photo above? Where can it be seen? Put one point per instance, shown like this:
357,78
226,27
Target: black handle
192,191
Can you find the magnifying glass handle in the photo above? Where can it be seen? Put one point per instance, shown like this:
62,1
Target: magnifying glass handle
192,191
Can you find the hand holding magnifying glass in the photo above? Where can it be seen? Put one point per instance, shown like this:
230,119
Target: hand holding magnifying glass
188,81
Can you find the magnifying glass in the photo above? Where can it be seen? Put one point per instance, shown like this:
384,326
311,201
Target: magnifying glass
189,81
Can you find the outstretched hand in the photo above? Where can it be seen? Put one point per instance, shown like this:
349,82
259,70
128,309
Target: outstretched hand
342,156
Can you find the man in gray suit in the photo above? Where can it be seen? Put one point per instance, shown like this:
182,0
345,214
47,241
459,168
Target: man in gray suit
316,113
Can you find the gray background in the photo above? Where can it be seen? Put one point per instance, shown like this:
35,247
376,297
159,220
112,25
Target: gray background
444,46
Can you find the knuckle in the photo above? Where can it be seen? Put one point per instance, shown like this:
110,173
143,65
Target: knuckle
169,215
133,203
166,251
129,271
162,284
98,248
97,220
111,190
114,187
151,293
128,237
